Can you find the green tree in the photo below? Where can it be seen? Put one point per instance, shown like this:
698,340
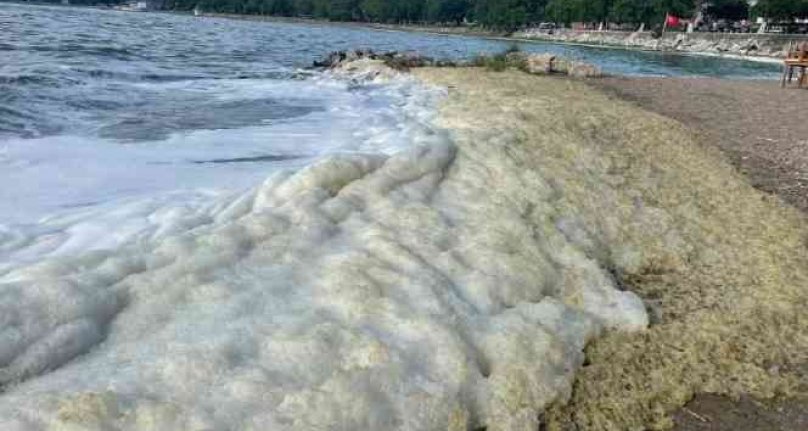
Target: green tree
374,10
680,8
782,10
632,11
728,9
343,10
446,10
568,11
303,7
321,8
506,15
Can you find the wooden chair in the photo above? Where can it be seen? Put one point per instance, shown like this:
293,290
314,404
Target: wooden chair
795,59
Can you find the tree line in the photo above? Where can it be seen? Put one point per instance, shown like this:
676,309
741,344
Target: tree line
501,14
496,14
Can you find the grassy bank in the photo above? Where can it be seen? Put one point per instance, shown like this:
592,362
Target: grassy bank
722,268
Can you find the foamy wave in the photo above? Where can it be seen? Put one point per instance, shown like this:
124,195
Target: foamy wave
369,290
215,152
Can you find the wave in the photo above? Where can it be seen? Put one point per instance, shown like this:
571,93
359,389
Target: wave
159,122
261,158
70,49
32,79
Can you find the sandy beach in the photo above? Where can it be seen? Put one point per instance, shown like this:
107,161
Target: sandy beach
761,128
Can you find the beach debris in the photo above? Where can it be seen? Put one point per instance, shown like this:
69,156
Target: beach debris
695,415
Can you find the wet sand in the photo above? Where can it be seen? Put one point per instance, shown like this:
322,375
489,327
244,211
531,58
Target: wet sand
762,128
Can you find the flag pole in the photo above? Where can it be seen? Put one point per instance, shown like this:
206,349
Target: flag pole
664,27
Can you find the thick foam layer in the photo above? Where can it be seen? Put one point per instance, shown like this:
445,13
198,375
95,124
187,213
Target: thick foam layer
373,291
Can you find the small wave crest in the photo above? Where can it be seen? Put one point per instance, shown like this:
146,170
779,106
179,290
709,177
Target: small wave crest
93,50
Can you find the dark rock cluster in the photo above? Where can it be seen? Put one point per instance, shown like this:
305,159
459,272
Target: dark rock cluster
394,59
403,61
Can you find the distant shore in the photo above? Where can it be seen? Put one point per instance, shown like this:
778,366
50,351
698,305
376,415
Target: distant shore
769,48
607,40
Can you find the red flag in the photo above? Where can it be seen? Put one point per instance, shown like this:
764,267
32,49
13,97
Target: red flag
671,20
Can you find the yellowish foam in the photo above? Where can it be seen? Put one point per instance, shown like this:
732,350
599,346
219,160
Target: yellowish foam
722,267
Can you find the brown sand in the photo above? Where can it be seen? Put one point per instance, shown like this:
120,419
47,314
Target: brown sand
762,128
722,267
716,413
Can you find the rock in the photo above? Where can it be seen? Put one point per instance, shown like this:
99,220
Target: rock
548,63
366,64
330,60
404,61
393,59
540,63
365,69
579,69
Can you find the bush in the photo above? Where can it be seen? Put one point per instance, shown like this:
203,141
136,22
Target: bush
510,57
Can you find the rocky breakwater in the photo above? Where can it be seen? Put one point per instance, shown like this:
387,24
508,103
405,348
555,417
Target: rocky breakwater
364,62
752,45
393,59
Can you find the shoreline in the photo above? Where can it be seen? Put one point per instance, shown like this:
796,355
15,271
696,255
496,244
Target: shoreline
461,31
484,34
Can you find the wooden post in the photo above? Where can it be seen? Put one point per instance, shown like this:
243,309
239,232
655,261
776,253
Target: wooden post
786,68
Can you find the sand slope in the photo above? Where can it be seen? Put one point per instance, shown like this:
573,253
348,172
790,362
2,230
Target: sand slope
722,267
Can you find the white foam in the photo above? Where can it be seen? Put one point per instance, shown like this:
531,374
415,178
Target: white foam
371,290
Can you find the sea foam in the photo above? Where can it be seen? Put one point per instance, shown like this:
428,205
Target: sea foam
367,290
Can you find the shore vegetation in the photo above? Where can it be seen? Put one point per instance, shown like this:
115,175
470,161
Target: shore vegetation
503,15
